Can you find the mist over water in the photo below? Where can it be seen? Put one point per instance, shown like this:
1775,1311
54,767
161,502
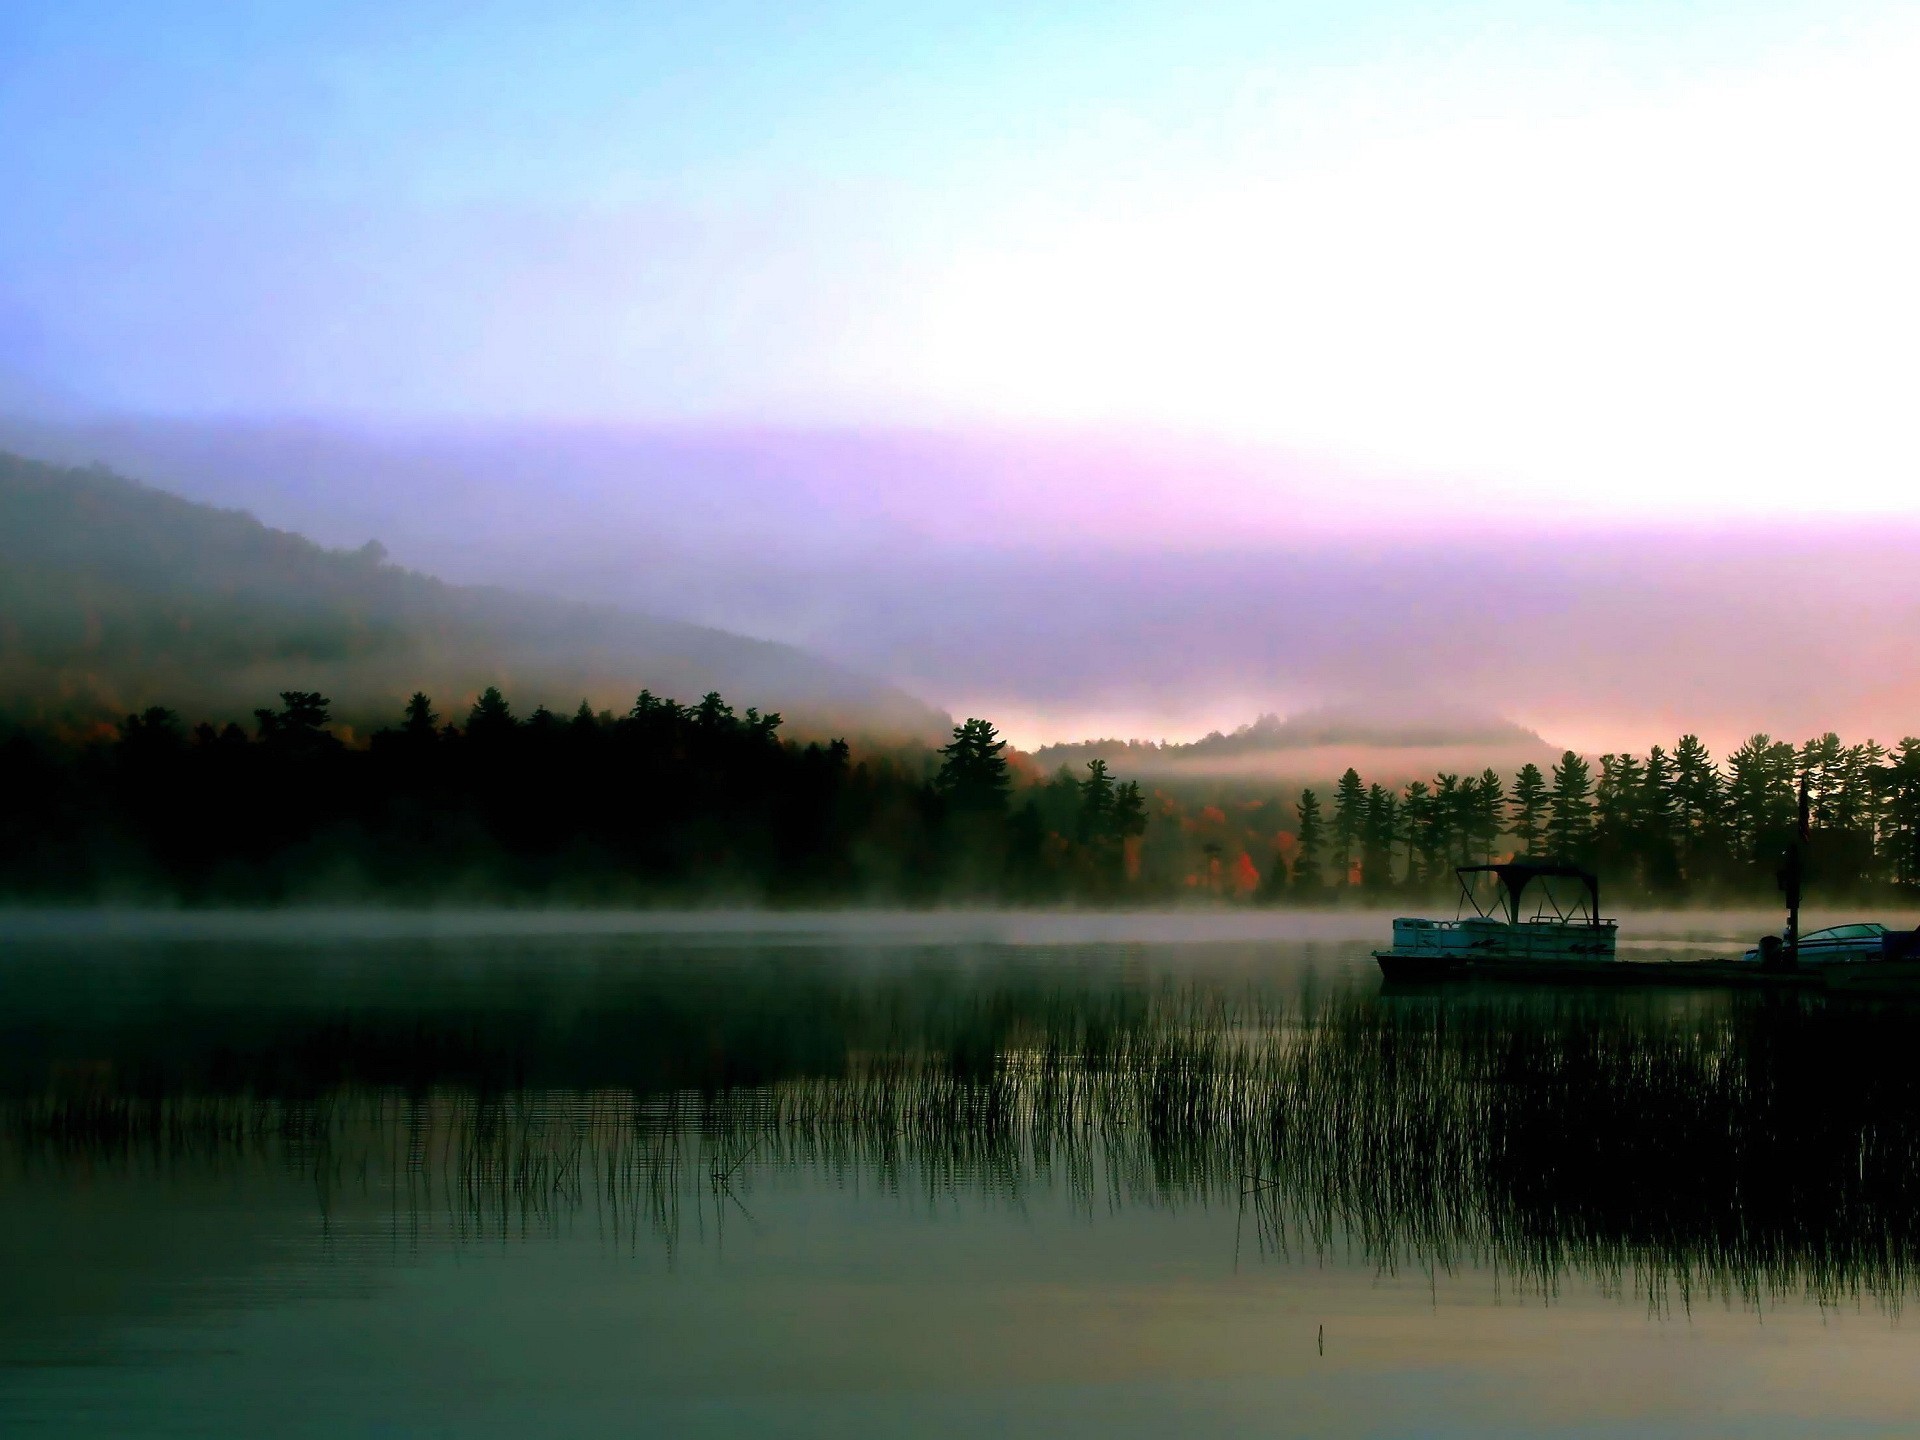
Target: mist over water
887,1173
934,928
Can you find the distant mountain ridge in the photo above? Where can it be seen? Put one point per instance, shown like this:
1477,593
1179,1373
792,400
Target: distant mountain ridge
115,596
1304,744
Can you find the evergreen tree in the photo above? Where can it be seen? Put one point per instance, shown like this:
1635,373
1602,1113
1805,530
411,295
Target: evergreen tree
1821,764
1376,861
1443,820
1416,832
491,718
1654,841
973,770
1902,811
1617,815
1569,809
1311,842
420,724
1349,824
1096,804
1761,798
298,727
1489,815
1698,804
1853,799
1529,808
1129,811
154,730
713,716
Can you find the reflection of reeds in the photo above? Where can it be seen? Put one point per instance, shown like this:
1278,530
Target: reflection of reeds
1740,1150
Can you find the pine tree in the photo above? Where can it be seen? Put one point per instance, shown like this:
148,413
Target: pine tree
1698,805
1096,804
1852,798
1761,798
1489,814
1529,808
420,723
713,715
1569,809
299,726
1617,814
1349,823
1311,840
1821,763
1902,783
1655,842
491,717
973,770
1444,819
1416,831
1376,859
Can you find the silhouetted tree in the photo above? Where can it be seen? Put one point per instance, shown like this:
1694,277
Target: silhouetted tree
1096,804
1310,841
1444,814
1761,800
973,770
1349,824
1416,830
1616,839
1381,827
1529,809
1697,806
1902,810
1569,809
1489,815
1655,840
1129,811
491,718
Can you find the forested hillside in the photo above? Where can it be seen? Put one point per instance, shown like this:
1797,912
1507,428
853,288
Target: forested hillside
115,596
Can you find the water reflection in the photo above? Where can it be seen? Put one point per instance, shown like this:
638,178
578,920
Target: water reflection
1670,1148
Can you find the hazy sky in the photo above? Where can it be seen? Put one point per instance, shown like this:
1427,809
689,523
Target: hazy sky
1118,366
1652,254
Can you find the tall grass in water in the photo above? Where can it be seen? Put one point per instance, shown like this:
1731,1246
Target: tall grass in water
1743,1149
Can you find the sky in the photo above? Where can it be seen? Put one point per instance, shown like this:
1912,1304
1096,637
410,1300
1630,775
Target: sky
1232,275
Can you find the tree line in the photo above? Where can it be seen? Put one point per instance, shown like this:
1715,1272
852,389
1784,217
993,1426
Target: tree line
665,803
1669,825
673,803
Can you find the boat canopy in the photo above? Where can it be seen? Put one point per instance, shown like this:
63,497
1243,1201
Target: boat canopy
1516,875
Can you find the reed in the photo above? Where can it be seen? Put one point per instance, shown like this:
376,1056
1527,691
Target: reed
1741,1151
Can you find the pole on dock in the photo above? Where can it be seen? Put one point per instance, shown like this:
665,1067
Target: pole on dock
1791,875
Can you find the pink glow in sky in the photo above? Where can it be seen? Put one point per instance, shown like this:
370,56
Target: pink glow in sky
1131,369
1070,593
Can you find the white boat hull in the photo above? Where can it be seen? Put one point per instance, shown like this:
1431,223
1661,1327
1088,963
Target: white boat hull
1479,938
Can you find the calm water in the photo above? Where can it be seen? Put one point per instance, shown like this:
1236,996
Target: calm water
1133,1176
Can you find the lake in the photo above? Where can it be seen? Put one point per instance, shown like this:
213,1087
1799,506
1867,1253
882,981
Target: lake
1127,1175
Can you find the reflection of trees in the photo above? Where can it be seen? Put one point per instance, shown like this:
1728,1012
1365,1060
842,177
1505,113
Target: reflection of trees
1740,1150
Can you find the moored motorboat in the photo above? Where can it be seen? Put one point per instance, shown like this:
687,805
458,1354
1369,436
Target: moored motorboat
1835,945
